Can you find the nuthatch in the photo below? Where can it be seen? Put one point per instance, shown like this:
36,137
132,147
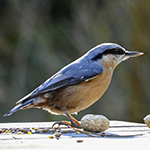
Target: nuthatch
79,84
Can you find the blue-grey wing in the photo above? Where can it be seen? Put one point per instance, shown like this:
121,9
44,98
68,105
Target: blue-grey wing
70,75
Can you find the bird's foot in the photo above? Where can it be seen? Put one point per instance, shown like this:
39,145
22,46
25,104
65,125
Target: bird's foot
68,124
73,122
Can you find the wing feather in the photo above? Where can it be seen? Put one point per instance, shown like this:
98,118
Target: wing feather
70,75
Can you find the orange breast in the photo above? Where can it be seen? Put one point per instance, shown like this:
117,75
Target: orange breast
78,97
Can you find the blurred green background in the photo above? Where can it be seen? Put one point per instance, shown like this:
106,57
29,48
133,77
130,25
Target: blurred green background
37,38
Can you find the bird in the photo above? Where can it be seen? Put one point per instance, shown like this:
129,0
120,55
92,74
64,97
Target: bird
78,85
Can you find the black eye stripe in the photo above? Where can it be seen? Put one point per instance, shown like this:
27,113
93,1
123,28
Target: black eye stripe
117,51
99,56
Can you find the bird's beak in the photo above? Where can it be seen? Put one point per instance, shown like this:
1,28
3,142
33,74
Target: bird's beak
133,54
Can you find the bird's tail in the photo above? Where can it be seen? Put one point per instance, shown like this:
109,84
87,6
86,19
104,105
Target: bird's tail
19,106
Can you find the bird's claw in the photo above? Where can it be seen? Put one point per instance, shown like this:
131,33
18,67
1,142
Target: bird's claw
60,123
65,123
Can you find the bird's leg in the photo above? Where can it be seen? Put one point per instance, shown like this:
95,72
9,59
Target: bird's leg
73,122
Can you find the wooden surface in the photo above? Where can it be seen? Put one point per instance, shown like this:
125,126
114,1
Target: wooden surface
39,135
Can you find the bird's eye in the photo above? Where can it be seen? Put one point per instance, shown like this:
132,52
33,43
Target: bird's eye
113,51
118,51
